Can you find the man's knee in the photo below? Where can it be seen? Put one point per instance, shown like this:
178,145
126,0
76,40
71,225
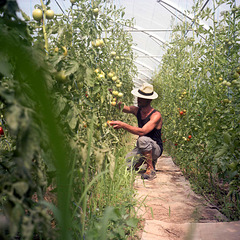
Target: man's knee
144,144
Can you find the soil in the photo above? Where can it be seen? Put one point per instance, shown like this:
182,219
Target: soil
170,210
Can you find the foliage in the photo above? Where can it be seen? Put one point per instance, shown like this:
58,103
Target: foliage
198,82
56,97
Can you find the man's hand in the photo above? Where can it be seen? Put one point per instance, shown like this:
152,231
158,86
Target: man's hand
117,124
120,105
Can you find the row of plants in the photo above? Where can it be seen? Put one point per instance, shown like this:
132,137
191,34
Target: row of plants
199,87
62,166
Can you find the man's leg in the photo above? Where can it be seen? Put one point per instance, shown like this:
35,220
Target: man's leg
134,159
148,159
156,154
150,171
148,149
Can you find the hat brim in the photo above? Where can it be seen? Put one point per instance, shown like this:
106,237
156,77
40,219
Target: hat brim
137,94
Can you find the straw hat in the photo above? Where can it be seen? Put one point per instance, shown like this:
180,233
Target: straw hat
146,91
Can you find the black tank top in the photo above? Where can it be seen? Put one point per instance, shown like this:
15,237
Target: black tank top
155,134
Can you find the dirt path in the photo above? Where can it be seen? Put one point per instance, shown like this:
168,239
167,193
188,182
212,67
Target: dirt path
172,211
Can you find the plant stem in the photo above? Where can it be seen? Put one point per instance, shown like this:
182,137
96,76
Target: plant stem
86,175
43,26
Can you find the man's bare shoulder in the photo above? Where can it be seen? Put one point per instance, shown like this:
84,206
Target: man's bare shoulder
157,118
157,114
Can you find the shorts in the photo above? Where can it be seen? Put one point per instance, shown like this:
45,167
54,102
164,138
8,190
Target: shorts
144,144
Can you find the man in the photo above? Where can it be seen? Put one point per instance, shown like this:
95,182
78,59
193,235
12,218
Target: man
149,143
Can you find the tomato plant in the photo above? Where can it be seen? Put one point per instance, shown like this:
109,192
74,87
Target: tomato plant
209,102
60,98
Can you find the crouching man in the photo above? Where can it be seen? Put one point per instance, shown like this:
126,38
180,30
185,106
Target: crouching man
149,143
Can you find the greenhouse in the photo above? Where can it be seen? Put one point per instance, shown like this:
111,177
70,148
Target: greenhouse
120,119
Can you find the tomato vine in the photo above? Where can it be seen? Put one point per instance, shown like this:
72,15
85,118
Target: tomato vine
207,86
55,108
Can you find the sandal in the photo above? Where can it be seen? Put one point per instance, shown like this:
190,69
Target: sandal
149,175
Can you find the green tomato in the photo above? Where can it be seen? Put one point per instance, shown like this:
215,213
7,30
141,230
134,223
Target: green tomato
238,70
224,82
234,82
79,85
100,76
110,75
37,14
113,53
61,77
49,14
235,75
95,11
97,43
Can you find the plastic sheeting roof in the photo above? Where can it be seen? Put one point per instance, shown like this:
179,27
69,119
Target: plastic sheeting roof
152,30
152,26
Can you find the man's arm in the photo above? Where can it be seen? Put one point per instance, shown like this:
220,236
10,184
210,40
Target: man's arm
129,109
148,127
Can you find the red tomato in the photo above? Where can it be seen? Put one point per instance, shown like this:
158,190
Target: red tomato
189,136
1,131
181,112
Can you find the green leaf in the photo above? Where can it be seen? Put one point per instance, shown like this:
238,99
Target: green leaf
88,77
5,67
25,16
88,103
109,211
72,118
56,59
72,68
15,217
226,137
103,95
47,158
132,222
53,208
221,151
13,117
20,188
12,7
96,90
121,232
61,103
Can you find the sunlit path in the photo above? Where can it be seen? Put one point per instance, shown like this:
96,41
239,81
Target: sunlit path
172,210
